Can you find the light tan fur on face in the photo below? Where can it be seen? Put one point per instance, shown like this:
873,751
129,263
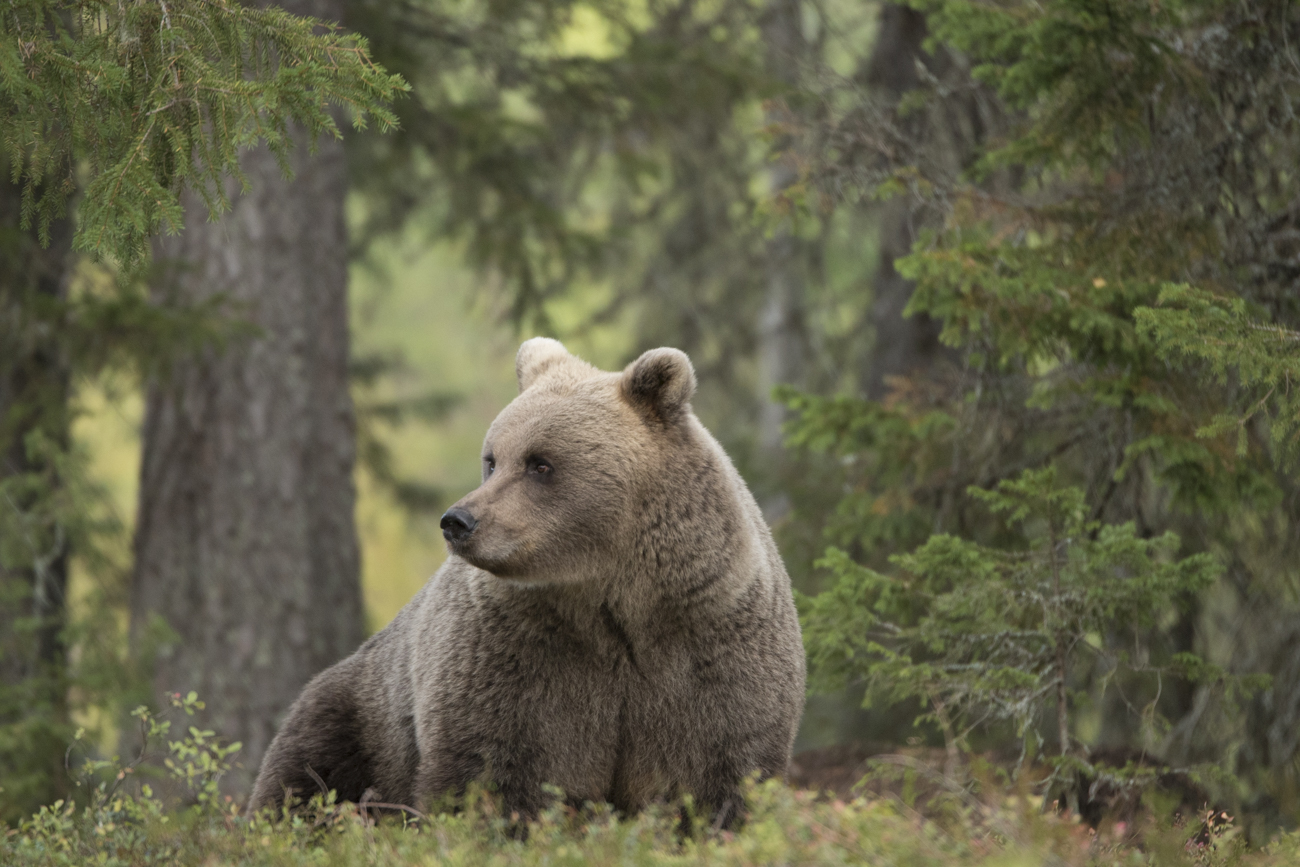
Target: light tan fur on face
620,624
580,420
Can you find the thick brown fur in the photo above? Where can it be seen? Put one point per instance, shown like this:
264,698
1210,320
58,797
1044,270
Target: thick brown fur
618,623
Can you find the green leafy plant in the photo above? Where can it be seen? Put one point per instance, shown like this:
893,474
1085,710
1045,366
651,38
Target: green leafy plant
197,760
107,810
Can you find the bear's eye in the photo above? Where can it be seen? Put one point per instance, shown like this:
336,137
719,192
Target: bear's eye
540,467
491,464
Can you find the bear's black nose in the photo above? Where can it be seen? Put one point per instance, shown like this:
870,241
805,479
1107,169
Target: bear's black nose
457,524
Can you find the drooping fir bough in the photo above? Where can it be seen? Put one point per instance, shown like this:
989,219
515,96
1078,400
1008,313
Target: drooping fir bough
1191,325
136,99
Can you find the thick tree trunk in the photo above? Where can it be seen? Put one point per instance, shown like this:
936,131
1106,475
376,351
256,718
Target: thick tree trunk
245,543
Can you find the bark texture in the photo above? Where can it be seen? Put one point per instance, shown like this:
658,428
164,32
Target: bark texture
245,543
905,345
781,331
901,345
782,335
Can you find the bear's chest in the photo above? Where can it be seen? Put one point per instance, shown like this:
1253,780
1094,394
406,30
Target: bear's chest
668,719
604,712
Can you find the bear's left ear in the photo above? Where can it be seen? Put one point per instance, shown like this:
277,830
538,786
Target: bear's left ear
535,356
659,384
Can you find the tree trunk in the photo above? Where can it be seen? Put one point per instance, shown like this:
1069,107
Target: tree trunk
951,131
782,328
900,345
245,543
34,429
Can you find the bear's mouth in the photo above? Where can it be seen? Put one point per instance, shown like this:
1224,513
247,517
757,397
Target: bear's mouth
501,563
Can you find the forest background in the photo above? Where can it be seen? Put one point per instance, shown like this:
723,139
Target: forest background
1047,250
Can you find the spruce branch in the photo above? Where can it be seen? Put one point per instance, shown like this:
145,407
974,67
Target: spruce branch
150,97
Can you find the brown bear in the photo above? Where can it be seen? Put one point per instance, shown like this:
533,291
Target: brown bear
613,619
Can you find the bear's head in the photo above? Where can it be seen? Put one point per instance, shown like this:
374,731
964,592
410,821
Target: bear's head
567,462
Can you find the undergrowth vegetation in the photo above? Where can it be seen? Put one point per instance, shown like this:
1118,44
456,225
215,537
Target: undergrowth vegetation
118,818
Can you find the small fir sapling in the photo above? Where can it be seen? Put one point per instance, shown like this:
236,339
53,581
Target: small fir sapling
981,635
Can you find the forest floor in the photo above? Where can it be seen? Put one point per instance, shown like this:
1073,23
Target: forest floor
904,815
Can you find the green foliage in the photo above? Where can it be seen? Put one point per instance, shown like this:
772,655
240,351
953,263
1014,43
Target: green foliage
552,164
888,454
199,759
1112,270
39,521
983,635
114,825
123,822
140,99
380,414
1083,69
1193,325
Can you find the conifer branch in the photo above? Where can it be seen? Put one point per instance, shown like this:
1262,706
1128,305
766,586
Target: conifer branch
157,95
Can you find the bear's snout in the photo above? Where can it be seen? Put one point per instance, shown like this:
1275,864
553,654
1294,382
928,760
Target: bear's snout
457,524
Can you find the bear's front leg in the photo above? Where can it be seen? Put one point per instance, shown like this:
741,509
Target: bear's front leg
508,770
320,747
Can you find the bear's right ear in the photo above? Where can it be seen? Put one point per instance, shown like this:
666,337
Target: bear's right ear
659,384
535,356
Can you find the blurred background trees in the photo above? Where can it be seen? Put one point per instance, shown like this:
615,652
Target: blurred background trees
954,234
